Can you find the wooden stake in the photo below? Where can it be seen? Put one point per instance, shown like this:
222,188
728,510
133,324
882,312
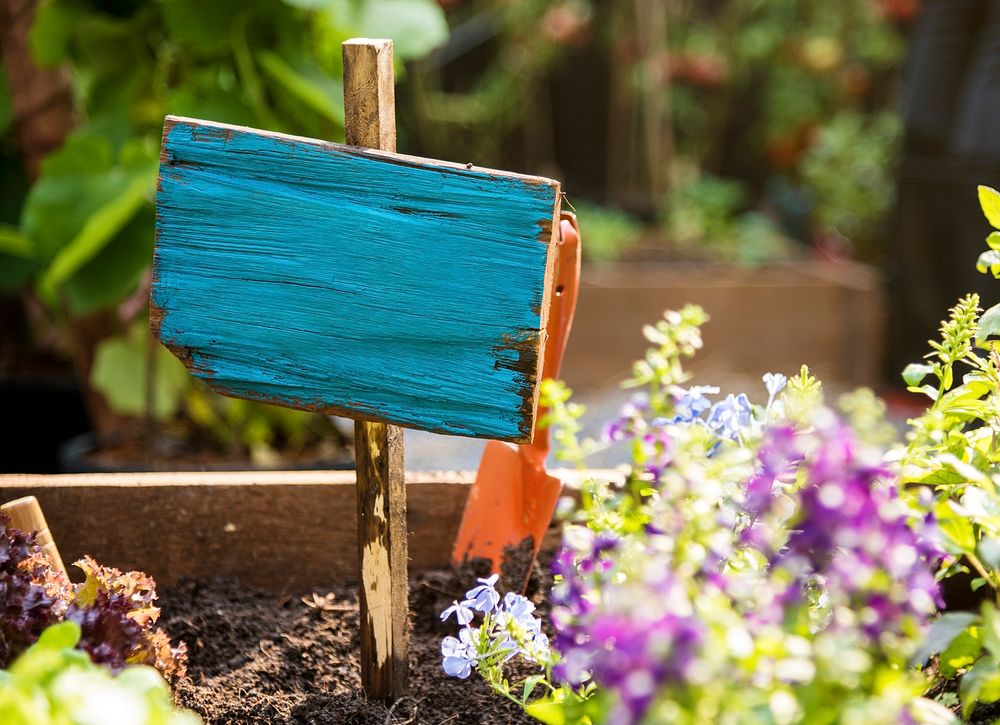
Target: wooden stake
26,515
370,120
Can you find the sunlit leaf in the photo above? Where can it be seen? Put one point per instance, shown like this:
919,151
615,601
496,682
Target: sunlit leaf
989,199
989,323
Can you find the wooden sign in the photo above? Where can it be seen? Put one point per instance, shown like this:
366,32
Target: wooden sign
353,281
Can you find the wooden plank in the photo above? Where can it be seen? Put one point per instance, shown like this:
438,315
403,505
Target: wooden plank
384,592
370,120
291,270
275,530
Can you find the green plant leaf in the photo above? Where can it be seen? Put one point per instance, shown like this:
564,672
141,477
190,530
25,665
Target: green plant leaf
993,240
416,27
98,231
989,552
989,261
114,273
119,374
959,534
989,199
15,244
307,91
53,29
914,373
962,652
943,632
979,684
989,323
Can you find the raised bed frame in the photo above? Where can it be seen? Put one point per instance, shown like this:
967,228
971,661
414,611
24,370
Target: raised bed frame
275,530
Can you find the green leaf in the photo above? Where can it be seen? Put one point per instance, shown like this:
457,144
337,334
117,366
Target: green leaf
994,241
98,231
928,390
989,323
115,272
60,636
990,633
120,370
989,552
959,534
989,199
416,27
979,684
307,91
943,632
53,29
916,372
6,110
15,244
203,27
989,261
546,711
962,652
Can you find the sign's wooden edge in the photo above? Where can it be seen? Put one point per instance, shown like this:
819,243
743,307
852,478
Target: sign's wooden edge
532,349
392,157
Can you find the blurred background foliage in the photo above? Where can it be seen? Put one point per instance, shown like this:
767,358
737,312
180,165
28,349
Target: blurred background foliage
723,130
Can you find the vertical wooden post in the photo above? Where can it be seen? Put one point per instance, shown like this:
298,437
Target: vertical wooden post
370,120
26,515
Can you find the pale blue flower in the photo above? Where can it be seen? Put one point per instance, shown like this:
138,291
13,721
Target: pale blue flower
775,383
692,402
730,416
518,607
485,597
459,654
462,612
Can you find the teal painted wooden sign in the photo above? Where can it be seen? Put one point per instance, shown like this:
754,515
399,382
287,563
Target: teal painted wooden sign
339,279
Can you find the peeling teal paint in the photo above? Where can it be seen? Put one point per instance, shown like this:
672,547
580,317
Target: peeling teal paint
322,277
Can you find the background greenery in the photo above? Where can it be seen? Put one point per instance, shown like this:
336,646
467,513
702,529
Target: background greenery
733,130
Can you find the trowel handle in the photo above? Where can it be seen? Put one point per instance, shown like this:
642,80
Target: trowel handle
567,286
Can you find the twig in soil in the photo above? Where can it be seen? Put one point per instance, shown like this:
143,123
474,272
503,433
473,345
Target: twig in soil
447,720
389,715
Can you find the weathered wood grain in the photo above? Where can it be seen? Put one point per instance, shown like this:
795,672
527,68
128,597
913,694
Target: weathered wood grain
382,555
370,120
352,281
275,530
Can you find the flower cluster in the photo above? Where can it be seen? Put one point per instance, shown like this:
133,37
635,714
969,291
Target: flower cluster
509,629
767,573
756,563
853,530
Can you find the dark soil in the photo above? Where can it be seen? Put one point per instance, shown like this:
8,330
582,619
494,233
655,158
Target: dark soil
256,657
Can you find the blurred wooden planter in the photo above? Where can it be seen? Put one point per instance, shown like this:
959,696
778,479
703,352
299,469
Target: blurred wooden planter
830,316
277,530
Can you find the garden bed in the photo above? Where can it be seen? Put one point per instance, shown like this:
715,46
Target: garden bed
256,573
828,315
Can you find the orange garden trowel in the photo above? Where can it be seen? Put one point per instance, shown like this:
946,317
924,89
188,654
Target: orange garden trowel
512,502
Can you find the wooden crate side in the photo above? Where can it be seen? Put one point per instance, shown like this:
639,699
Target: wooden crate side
275,530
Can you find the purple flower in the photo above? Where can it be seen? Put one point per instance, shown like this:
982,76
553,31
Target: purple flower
484,597
850,525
